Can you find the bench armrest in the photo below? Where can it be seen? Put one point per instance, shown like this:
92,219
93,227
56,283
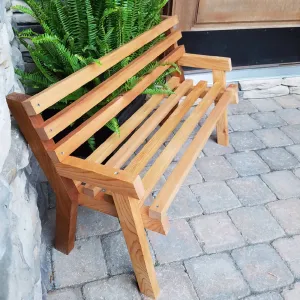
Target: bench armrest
205,62
110,179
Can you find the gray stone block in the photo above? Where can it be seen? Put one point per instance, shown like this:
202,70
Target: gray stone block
267,93
256,224
215,196
160,182
265,104
91,223
116,254
48,228
262,267
292,293
185,205
84,263
290,115
268,119
217,233
259,84
247,163
212,148
287,213
243,107
174,283
215,277
180,243
292,131
215,168
122,287
278,159
283,183
295,150
273,137
289,250
295,90
289,101
66,294
193,176
245,141
266,296
297,172
243,123
291,81
251,190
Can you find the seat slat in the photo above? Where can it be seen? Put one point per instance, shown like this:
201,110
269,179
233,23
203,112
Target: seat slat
124,153
78,108
79,135
142,158
106,148
167,194
58,91
165,158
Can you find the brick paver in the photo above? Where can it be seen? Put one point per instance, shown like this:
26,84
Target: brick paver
262,267
215,277
235,223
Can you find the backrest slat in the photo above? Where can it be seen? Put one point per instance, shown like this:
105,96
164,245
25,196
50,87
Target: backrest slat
79,135
61,89
71,113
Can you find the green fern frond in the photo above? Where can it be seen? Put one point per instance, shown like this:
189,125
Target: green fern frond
113,125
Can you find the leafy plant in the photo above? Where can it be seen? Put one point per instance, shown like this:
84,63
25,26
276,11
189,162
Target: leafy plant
78,33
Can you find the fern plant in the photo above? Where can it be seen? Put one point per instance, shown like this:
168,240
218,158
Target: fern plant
78,33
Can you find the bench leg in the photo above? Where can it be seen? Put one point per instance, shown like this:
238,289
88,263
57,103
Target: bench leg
66,217
137,244
222,125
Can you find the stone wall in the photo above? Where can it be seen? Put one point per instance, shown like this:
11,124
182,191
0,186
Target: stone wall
20,228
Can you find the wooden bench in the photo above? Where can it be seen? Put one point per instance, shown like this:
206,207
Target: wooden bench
108,188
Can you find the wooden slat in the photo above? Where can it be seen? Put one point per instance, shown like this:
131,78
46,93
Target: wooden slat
165,158
79,135
205,62
110,179
71,113
118,159
141,159
58,91
222,124
167,194
106,148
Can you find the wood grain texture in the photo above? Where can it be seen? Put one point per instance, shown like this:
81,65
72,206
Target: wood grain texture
205,62
222,125
78,108
165,158
65,189
106,148
124,153
110,179
56,92
137,244
79,135
138,163
167,194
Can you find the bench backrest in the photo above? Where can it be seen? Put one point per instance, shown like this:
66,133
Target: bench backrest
166,49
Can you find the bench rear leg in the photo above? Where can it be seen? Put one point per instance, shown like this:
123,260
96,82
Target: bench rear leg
137,244
66,217
222,125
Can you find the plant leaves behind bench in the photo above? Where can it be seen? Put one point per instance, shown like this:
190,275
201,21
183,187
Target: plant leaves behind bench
78,32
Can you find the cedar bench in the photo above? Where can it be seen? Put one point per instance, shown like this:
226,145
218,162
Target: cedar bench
108,188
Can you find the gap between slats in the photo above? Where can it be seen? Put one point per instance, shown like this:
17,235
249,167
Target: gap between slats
167,194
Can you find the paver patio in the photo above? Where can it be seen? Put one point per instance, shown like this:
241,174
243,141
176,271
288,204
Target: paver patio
235,229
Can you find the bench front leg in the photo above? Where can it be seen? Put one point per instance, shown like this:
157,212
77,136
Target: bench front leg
133,229
222,125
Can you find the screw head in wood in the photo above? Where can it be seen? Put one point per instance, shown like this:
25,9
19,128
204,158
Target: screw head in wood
116,173
103,190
